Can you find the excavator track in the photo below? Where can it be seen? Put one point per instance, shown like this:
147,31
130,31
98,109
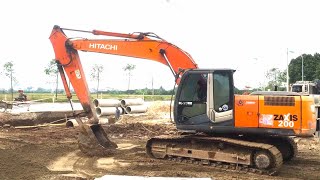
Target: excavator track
219,152
285,145
294,148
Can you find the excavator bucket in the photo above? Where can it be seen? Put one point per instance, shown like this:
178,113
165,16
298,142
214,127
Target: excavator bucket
93,140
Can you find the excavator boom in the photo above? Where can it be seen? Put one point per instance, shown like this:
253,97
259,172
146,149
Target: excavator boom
155,50
137,46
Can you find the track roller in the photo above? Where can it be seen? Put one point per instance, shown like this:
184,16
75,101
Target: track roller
262,160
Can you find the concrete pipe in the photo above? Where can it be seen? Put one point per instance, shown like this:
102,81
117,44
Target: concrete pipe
136,109
71,123
104,111
132,102
106,102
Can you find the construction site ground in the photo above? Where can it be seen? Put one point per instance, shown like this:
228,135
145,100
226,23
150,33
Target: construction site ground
50,151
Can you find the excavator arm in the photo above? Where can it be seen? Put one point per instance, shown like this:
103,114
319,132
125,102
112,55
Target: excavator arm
138,45
143,45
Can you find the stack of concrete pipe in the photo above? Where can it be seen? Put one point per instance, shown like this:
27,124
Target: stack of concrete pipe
133,105
105,107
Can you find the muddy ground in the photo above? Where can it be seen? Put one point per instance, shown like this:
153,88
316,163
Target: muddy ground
51,152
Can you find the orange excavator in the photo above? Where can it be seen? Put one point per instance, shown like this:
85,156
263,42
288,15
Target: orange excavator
218,128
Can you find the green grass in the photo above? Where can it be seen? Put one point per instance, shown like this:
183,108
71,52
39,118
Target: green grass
49,97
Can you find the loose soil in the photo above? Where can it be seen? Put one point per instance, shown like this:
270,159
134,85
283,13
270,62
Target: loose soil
51,152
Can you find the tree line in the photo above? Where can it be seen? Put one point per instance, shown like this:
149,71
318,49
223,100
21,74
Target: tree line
306,64
311,68
144,91
52,72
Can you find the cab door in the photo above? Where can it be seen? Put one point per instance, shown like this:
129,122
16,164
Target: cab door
191,99
220,96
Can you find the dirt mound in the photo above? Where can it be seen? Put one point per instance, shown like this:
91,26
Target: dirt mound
4,117
140,130
34,118
159,107
158,113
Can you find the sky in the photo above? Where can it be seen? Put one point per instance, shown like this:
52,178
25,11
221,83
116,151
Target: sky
250,36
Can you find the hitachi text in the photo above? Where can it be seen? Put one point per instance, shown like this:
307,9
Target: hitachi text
103,46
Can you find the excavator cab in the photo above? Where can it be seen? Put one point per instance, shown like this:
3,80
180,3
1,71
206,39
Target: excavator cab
204,98
205,102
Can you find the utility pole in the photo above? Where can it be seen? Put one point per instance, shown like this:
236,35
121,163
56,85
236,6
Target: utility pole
57,86
302,67
11,86
287,71
288,68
